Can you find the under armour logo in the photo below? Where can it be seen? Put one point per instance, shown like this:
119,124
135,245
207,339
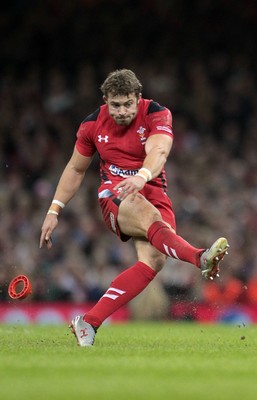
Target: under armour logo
105,138
83,333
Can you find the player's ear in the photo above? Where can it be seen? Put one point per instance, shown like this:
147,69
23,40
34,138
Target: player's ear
139,97
105,99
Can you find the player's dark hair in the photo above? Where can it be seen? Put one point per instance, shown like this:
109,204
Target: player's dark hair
121,82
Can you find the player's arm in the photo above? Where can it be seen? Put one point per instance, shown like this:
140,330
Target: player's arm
157,149
67,187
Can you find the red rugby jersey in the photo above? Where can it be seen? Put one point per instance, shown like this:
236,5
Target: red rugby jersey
121,149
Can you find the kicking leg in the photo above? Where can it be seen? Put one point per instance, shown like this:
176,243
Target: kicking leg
141,218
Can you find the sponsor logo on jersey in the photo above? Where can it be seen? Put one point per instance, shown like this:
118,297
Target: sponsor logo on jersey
124,173
103,138
163,128
141,132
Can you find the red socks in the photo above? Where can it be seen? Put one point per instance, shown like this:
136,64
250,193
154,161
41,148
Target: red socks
134,280
124,288
172,245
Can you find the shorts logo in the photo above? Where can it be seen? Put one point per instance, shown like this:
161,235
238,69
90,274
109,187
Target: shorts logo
105,138
112,220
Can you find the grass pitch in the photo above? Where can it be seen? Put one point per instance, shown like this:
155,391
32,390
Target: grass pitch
131,361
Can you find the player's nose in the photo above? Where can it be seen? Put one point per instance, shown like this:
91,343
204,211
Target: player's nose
122,110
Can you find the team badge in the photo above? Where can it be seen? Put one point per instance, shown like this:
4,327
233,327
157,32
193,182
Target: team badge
141,132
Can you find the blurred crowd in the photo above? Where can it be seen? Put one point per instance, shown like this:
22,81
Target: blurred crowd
53,64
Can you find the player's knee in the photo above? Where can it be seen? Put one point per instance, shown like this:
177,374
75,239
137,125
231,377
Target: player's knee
157,262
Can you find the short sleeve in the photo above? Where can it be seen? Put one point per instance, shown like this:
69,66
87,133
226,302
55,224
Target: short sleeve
160,120
84,143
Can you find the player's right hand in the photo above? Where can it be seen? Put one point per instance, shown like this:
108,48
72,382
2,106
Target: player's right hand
129,186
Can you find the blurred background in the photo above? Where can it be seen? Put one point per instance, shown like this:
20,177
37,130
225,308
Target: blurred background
197,57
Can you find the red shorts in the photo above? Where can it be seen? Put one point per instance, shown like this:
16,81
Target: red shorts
110,205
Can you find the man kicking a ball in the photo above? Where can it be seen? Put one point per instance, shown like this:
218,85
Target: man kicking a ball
133,137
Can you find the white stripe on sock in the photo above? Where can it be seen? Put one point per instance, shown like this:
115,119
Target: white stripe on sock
173,251
113,296
116,290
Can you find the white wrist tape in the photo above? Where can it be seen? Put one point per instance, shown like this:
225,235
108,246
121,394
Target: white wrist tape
52,212
59,203
145,173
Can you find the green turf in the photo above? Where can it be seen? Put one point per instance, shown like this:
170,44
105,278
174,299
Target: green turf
130,361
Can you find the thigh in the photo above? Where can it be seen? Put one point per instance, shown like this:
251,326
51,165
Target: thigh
149,254
126,218
135,217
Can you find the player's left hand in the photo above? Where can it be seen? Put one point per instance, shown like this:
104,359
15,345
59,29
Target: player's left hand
129,186
49,225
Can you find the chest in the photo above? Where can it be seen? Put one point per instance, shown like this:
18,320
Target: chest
116,141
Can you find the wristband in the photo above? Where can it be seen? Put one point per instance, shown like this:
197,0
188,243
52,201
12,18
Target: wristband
145,173
52,212
59,203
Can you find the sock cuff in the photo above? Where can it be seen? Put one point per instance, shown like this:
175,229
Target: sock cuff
155,227
145,270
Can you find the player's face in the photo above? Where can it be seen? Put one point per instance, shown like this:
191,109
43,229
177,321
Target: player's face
122,109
